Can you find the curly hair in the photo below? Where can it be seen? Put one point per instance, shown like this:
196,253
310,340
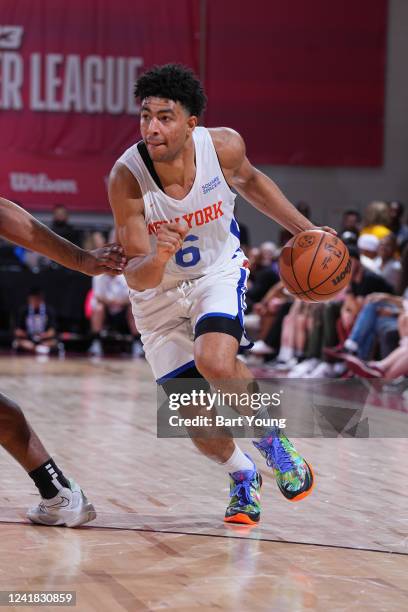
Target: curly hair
173,82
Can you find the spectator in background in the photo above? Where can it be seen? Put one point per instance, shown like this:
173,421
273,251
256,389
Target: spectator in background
269,255
243,233
244,237
377,220
349,238
398,228
377,315
266,274
351,221
254,259
391,367
61,226
293,335
368,246
36,326
110,306
363,281
403,288
390,266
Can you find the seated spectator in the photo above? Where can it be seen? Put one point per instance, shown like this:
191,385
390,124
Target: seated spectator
368,246
329,323
404,270
294,335
398,228
272,309
377,317
266,273
111,306
351,222
377,220
363,281
390,266
349,238
61,226
254,259
36,326
269,255
367,324
393,366
244,237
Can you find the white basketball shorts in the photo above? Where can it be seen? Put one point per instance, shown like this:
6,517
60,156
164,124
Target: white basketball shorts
167,320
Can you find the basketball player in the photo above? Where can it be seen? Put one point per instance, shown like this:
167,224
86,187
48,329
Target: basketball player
63,502
174,211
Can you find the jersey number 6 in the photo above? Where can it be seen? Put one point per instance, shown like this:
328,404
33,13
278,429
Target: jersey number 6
190,255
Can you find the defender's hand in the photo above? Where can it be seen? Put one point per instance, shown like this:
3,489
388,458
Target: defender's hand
170,238
109,259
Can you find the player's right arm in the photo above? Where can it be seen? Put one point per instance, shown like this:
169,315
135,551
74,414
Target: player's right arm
19,226
145,267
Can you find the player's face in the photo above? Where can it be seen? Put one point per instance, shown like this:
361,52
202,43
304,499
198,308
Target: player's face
165,127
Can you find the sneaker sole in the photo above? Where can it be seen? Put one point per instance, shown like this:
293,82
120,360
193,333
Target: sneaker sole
240,518
362,369
87,514
308,491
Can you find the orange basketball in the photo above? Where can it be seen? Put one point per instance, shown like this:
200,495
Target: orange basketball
315,266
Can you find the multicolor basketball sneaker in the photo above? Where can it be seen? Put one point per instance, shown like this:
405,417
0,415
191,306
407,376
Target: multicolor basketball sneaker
294,476
245,494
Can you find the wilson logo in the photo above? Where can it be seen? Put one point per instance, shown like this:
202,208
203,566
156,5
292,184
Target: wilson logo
41,183
342,274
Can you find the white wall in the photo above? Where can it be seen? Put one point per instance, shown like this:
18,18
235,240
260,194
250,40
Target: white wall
331,190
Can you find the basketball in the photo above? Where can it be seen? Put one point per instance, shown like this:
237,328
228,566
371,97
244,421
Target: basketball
315,266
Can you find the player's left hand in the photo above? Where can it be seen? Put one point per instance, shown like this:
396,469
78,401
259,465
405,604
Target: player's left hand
109,259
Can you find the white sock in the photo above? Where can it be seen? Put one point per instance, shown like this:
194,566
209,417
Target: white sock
238,462
350,345
285,353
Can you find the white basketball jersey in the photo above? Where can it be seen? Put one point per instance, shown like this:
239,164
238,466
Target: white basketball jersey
212,242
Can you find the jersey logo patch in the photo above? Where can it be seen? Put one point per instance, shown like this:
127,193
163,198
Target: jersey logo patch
215,182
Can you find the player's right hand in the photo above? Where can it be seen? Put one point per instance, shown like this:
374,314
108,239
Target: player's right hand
170,238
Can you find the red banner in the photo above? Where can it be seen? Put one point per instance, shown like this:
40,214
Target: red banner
67,71
302,81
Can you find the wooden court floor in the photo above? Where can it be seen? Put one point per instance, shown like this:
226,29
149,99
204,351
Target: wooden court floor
159,542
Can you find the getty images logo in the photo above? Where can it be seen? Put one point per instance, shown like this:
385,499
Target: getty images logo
11,37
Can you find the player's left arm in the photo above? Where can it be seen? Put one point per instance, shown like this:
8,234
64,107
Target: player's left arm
257,188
